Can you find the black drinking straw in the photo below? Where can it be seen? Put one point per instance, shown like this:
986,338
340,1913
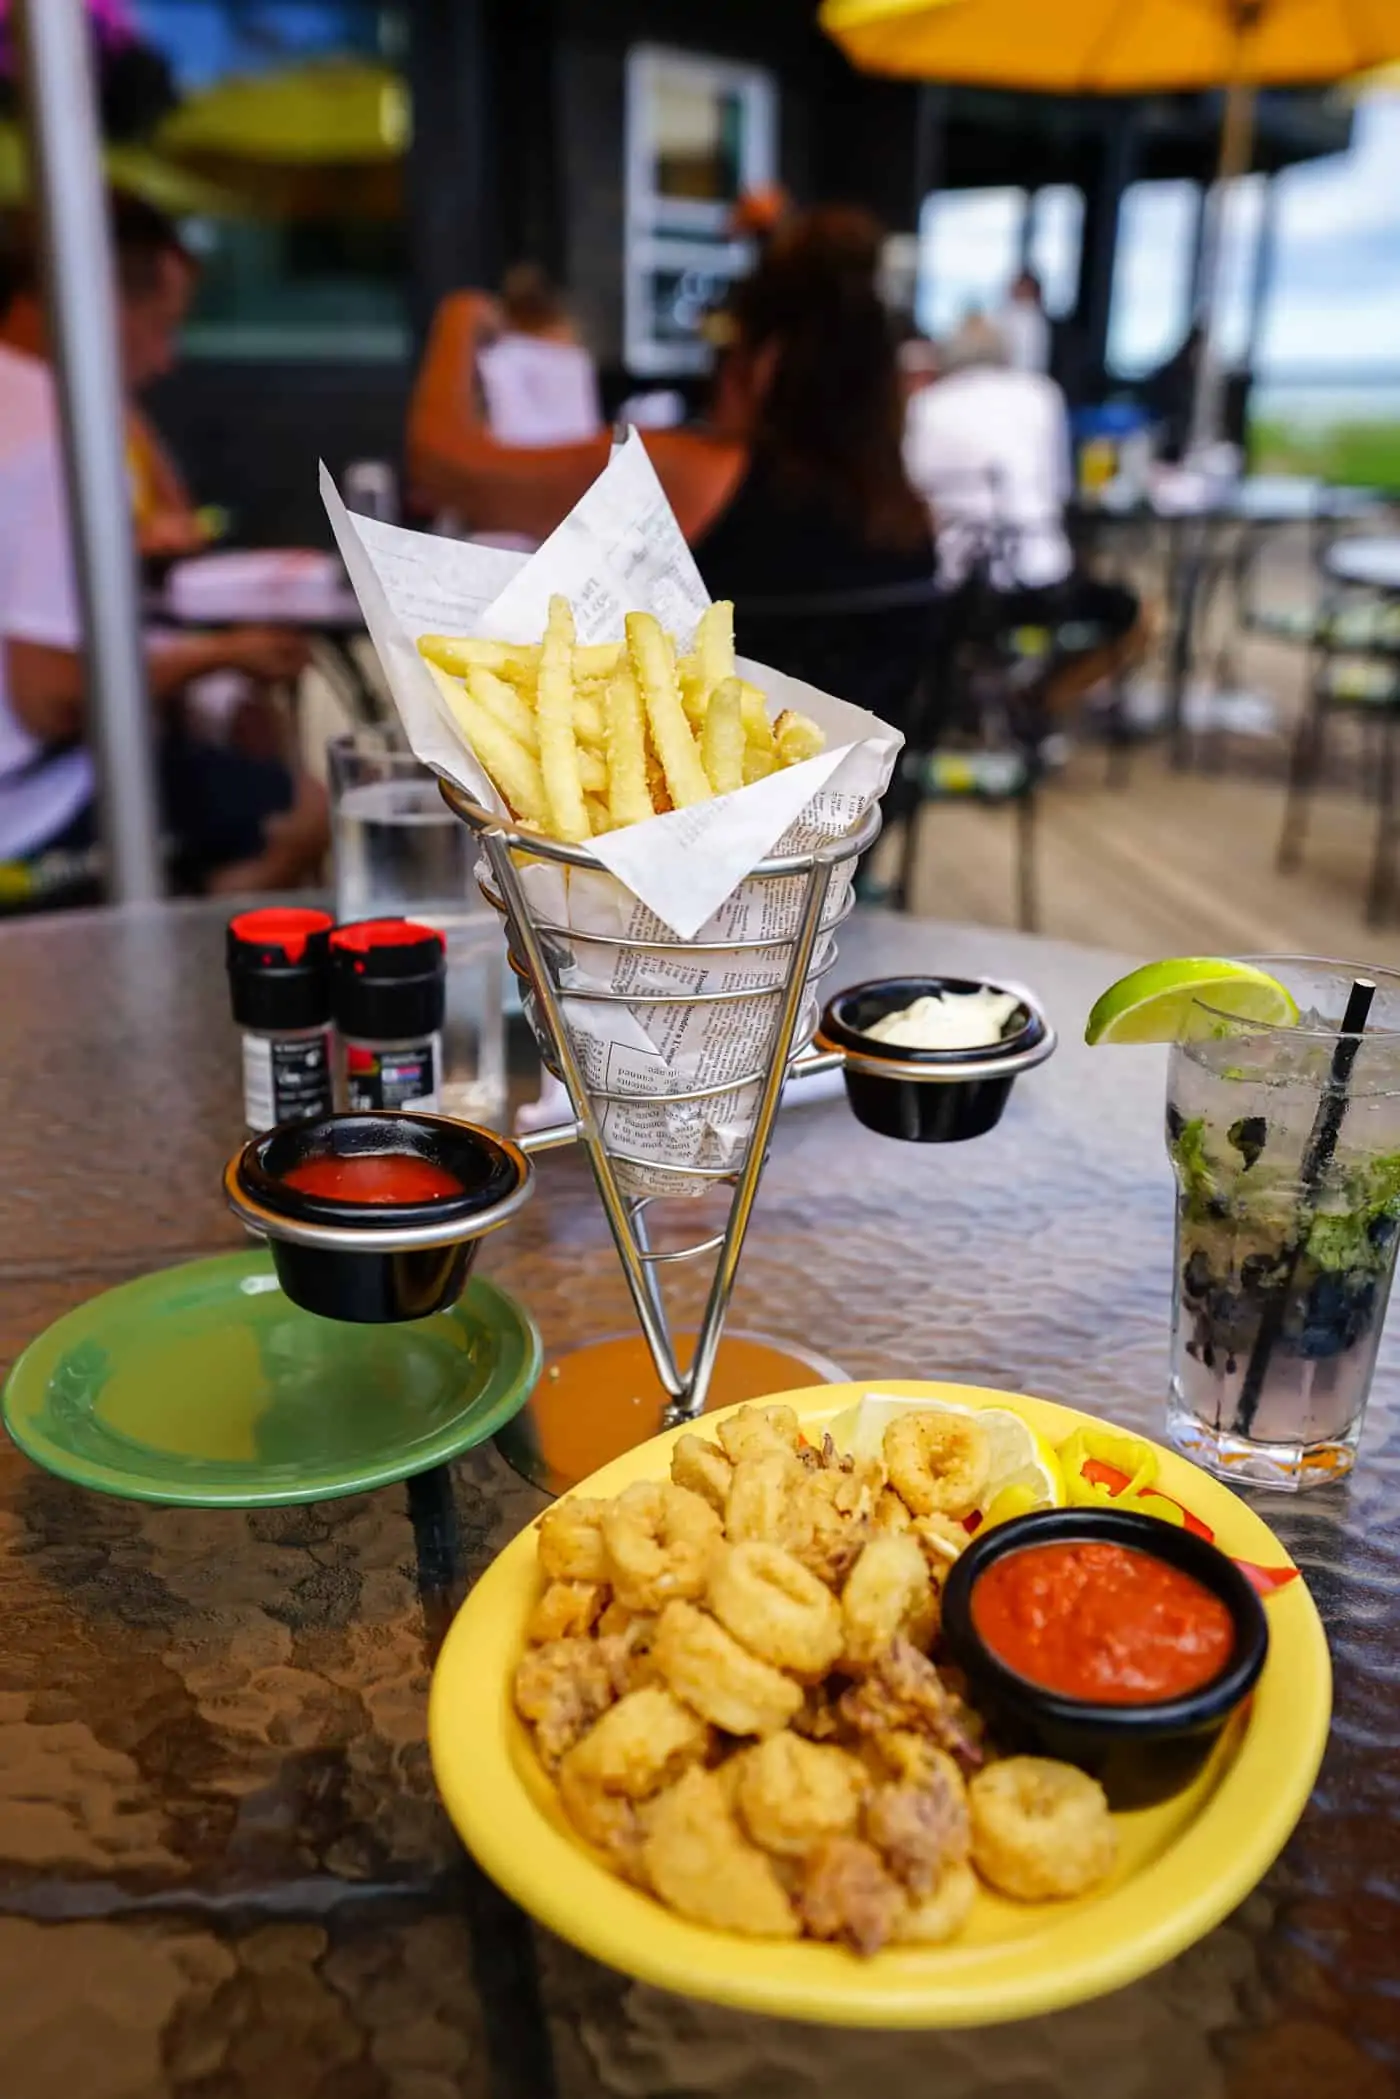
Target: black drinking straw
1322,1143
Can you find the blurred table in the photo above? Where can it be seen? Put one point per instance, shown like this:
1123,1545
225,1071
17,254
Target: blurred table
223,1872
293,587
1372,563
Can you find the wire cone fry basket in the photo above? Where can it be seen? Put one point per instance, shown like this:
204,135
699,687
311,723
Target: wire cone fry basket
783,968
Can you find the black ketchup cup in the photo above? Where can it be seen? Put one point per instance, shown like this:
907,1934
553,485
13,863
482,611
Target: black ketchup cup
930,1096
1141,1752
375,1262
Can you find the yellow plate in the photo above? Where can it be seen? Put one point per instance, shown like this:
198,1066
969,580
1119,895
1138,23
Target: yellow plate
1183,1864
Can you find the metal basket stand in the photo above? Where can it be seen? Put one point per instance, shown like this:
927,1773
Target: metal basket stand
586,1409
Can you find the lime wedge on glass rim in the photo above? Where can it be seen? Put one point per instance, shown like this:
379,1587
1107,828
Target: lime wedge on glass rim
1154,1003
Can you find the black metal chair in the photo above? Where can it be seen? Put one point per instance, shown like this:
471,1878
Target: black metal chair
1354,671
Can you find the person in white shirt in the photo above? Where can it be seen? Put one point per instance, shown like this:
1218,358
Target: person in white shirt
236,821
1025,326
988,448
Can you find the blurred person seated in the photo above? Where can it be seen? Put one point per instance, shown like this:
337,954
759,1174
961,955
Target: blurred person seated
239,820
1025,325
795,485
538,385
988,448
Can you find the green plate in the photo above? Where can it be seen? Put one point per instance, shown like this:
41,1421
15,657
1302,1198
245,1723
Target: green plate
204,1385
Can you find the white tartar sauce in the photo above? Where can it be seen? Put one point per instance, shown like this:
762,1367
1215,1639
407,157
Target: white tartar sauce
947,1020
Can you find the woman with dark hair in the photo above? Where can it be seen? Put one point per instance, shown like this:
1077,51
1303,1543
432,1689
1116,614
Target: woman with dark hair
794,490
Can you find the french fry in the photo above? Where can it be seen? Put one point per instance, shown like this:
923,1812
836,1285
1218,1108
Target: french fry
592,772
512,768
594,661
598,817
758,730
588,720
694,692
797,737
505,703
629,797
758,764
714,644
722,741
654,663
554,717
459,653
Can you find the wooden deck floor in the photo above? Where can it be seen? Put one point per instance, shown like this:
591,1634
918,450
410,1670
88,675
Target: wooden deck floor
1171,864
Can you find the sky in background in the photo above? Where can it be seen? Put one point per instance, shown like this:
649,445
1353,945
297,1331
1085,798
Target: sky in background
1335,304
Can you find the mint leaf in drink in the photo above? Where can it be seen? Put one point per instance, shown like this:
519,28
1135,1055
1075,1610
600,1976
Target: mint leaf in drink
1248,1136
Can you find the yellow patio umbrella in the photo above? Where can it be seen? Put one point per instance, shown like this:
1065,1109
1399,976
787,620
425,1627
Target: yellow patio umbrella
128,167
1128,47
1117,47
337,110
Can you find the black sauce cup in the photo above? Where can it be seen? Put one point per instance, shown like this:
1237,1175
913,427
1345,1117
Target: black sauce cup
930,1096
372,1263
1140,1752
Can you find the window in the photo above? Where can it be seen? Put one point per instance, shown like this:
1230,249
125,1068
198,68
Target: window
969,251
1057,233
1151,307
289,133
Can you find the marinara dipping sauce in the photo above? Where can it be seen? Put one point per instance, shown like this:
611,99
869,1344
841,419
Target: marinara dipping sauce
1102,1622
373,1177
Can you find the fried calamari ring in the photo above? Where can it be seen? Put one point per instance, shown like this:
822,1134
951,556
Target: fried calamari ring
761,1492
888,1596
754,1430
699,1861
941,1915
779,1610
571,1541
566,1611
706,1666
1041,1830
937,1463
561,1689
641,1744
792,1794
704,1469
658,1539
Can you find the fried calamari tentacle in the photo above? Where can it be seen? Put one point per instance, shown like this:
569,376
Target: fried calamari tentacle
890,1512
792,1794
699,1861
571,1541
1041,1830
658,1539
754,1430
779,1610
937,1463
706,1666
942,1540
904,1690
561,1689
704,1469
942,1914
566,1611
888,1596
846,1894
919,1824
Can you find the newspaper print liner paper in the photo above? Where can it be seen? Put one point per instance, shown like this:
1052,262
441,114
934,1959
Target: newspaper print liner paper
677,878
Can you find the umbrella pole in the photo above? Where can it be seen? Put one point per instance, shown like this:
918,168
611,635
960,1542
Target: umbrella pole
61,101
1236,153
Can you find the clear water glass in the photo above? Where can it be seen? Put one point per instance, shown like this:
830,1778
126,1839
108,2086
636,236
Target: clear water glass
1280,1286
400,852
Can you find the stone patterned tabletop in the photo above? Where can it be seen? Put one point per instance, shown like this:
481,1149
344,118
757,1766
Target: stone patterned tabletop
223,1872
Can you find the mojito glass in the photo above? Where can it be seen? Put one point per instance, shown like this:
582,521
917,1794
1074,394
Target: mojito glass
1280,1287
